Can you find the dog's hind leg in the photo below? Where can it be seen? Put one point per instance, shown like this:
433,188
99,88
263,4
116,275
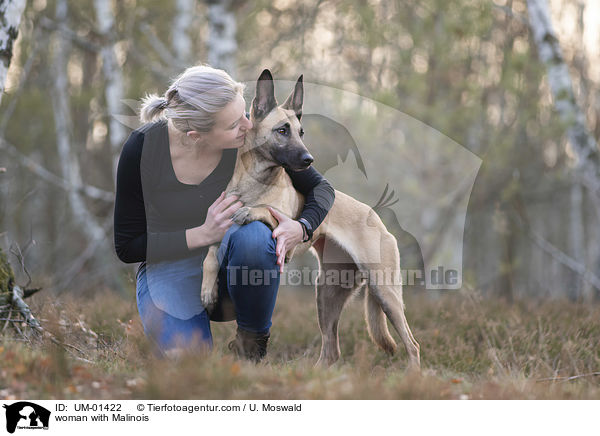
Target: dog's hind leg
391,303
377,324
389,297
374,259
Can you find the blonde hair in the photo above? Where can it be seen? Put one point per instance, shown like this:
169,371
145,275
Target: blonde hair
193,99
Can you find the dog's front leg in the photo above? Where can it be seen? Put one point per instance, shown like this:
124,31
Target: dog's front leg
210,273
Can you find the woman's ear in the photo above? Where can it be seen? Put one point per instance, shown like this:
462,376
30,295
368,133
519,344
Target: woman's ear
194,136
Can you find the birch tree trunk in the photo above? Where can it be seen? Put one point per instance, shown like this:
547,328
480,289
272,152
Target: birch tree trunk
584,145
182,43
113,87
222,28
10,18
69,163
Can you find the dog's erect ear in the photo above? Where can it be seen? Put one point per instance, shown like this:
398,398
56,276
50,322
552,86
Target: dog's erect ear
296,98
264,101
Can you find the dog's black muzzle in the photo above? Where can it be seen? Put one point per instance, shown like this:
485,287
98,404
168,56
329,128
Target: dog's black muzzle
298,163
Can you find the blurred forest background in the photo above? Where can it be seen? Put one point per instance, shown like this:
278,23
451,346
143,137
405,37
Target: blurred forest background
470,69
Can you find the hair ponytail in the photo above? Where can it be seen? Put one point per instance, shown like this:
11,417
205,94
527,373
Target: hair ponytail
153,108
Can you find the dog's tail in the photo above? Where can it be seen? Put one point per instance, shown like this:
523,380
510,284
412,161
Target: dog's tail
377,324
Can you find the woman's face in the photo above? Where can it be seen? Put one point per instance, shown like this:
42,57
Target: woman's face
231,125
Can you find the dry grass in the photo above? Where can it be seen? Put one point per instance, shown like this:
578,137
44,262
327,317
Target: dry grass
470,348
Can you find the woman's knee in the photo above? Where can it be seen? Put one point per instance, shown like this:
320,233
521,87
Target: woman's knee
253,245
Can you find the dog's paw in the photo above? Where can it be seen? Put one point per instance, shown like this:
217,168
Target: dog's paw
245,215
241,216
209,295
262,214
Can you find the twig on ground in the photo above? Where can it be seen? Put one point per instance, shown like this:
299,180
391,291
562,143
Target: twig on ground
8,318
32,322
568,378
24,308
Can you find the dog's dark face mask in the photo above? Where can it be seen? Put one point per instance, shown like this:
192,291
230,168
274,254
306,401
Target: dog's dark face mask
278,129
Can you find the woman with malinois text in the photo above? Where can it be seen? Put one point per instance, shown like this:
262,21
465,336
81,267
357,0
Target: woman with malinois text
170,206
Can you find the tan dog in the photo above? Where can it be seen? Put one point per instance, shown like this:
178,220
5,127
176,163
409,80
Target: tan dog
352,234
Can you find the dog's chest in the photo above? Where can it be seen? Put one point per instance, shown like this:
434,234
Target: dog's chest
278,192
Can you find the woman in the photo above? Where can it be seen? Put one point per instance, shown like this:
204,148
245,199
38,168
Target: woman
170,206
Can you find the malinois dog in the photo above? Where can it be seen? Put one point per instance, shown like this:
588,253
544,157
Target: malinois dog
352,233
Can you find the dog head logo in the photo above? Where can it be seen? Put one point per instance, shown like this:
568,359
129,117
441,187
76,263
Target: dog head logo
26,415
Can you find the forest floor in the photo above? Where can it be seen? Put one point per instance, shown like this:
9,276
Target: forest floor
471,348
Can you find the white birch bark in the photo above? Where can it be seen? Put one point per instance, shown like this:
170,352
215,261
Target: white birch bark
113,86
583,144
182,43
69,163
222,28
10,18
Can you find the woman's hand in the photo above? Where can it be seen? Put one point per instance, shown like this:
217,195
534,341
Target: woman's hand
218,221
218,217
288,234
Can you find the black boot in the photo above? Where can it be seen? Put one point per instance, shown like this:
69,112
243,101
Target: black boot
249,345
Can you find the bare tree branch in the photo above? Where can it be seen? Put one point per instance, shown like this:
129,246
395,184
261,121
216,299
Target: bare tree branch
552,250
68,274
155,68
81,42
34,167
161,49
565,259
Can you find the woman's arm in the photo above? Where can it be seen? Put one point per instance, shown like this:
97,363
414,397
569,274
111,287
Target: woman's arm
130,216
319,195
318,199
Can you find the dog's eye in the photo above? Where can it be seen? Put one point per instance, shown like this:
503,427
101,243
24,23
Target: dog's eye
282,131
301,133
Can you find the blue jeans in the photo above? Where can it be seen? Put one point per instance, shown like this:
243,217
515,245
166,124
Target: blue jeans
168,292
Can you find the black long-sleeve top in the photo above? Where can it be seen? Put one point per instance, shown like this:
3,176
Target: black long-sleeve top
153,208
